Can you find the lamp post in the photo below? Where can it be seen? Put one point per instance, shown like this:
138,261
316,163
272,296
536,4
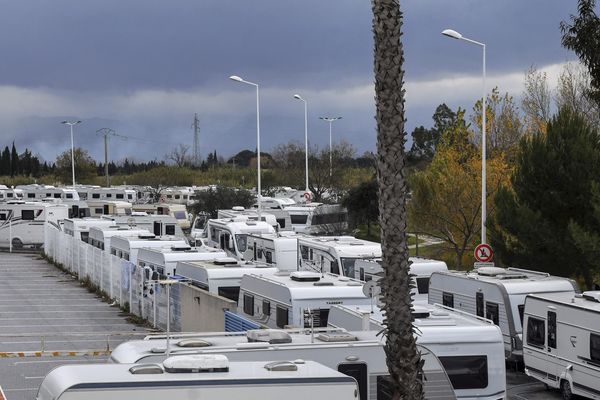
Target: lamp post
455,35
331,120
71,123
297,96
258,187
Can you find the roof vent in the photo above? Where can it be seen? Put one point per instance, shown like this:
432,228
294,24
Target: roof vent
355,283
181,248
305,276
193,343
272,336
281,366
146,236
225,261
146,369
323,283
238,208
490,271
336,337
592,295
197,363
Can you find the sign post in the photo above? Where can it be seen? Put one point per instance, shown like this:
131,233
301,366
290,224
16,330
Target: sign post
484,255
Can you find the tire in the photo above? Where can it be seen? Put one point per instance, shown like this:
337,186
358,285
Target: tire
17,243
565,390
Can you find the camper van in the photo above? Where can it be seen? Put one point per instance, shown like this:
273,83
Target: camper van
128,247
296,299
177,211
22,222
221,276
470,348
359,354
318,218
420,271
561,342
277,249
497,294
164,259
100,237
80,227
231,234
206,377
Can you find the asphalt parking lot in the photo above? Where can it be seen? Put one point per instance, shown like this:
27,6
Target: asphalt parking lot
42,308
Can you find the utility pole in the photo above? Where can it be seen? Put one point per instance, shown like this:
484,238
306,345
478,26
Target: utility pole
106,132
196,148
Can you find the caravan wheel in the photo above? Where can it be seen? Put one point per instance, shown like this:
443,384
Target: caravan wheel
17,243
565,390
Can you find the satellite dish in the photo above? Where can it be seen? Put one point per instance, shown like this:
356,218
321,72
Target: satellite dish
371,289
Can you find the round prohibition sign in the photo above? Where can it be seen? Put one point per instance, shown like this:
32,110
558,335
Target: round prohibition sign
484,253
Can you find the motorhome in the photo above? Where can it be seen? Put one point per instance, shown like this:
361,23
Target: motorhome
100,237
207,377
164,259
221,276
420,271
22,223
108,194
296,299
561,345
177,211
80,227
470,348
128,247
497,294
359,354
318,218
276,206
277,249
231,234
249,215
108,207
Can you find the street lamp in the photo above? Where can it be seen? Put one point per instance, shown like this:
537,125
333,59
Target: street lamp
330,120
455,35
258,188
71,123
297,96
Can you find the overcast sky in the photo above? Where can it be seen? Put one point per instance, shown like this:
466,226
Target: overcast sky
143,67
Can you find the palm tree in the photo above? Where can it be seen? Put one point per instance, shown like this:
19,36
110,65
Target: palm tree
403,359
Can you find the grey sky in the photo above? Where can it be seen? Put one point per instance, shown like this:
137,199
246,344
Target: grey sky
143,67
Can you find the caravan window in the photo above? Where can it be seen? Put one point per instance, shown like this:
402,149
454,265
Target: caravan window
423,285
248,304
281,222
108,195
348,266
229,292
69,195
213,234
595,347
2,217
335,269
268,257
242,242
27,215
281,317
492,313
521,308
466,372
30,195
57,195
95,195
448,299
299,219
266,307
304,252
535,332
170,229
552,329
357,371
479,304
119,195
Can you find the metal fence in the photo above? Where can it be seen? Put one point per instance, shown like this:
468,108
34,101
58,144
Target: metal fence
121,280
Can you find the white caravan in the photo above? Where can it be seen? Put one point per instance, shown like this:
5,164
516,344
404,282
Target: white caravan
8,194
164,259
108,194
221,276
100,237
177,211
497,294
296,299
22,222
561,345
80,227
206,377
318,219
470,348
108,207
231,234
240,213
159,225
276,207
128,247
277,249
420,270
42,192
358,354
180,195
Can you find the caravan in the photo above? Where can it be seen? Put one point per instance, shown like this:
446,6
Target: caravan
318,218
177,211
127,247
231,235
277,249
100,237
206,377
497,294
296,299
561,345
164,259
22,222
79,228
240,213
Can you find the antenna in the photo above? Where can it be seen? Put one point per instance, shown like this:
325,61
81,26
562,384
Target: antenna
106,132
196,148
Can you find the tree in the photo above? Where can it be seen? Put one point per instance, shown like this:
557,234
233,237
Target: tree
551,192
402,357
535,101
425,141
85,166
212,200
582,36
179,155
14,161
362,204
572,92
5,162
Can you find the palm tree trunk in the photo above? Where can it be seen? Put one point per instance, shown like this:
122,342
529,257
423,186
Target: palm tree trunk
403,360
